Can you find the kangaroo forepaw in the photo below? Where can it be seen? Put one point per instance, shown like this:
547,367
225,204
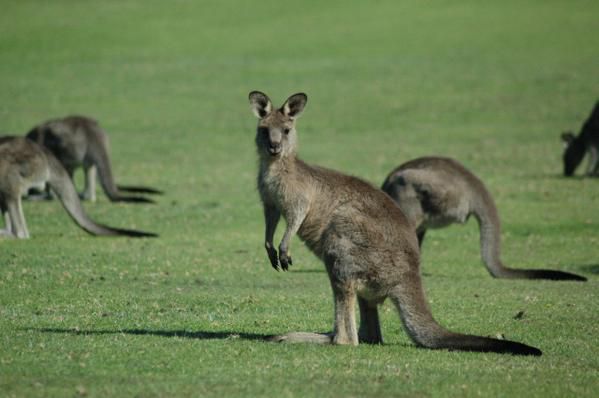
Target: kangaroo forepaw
273,257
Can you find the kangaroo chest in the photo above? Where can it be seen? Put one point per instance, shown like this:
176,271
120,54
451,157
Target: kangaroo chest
281,186
273,189
292,196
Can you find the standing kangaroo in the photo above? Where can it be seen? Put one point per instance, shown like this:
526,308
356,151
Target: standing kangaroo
369,249
587,141
78,141
25,164
434,192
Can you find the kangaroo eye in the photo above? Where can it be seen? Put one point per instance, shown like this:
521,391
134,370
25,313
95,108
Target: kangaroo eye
263,130
286,131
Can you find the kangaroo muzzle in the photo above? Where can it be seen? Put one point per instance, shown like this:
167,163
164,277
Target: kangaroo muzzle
274,142
274,148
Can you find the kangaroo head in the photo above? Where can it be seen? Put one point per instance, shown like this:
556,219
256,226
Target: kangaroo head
276,136
573,153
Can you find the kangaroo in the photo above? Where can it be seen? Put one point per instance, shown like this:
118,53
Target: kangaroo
78,141
587,141
434,192
369,249
25,164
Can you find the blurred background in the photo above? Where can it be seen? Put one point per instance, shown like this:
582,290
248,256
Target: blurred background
492,84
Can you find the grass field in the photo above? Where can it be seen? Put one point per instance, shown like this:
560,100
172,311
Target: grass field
492,84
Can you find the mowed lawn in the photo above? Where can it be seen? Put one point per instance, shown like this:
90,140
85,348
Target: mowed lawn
491,84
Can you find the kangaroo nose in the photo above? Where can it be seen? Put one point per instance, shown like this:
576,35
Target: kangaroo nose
274,147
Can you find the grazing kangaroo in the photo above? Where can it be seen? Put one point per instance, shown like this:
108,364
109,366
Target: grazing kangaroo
25,164
587,141
369,249
434,192
78,141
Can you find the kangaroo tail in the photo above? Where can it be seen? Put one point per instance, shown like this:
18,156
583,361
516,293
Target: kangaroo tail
549,274
490,232
138,189
426,332
130,232
62,186
99,156
465,342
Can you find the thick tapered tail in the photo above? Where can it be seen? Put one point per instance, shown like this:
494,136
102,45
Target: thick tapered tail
548,274
466,342
64,189
424,330
139,189
490,242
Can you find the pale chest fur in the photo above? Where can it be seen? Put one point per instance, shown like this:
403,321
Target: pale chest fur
271,187
280,186
293,193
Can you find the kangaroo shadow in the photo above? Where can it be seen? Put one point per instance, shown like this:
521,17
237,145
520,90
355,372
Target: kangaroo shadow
556,176
308,271
201,335
590,268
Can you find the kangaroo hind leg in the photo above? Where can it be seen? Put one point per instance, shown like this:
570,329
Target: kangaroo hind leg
89,190
344,331
7,231
593,165
303,337
370,327
18,226
421,234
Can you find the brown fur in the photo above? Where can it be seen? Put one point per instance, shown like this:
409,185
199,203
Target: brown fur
369,249
25,164
78,141
435,192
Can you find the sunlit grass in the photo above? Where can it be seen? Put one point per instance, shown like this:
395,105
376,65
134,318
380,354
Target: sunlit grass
182,315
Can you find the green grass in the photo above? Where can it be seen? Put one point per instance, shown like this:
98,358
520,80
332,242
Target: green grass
492,84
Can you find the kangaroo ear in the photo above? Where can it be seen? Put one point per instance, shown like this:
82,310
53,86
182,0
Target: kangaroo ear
567,137
294,105
261,105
